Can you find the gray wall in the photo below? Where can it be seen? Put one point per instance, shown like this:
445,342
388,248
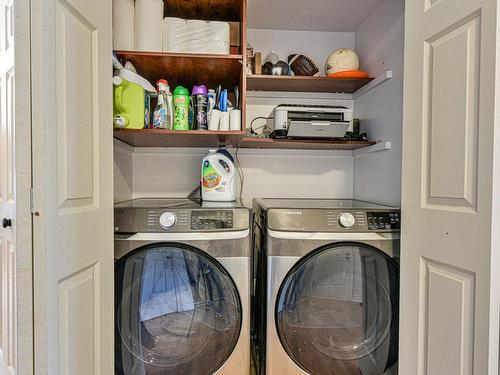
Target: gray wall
379,43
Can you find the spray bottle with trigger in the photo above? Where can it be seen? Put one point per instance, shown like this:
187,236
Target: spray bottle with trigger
163,116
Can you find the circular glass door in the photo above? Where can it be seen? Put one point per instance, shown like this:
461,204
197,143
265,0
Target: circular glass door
177,311
337,311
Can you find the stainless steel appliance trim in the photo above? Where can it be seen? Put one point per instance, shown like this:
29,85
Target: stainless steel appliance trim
333,236
322,220
294,247
193,236
217,248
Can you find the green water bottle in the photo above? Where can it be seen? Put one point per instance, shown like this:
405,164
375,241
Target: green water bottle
181,108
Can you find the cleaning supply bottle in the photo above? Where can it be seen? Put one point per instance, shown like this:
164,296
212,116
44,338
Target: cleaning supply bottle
128,104
162,116
218,182
199,98
181,108
211,103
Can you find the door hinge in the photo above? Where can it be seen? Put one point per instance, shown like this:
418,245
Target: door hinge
32,205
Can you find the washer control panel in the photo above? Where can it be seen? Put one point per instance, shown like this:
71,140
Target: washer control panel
212,220
383,220
154,220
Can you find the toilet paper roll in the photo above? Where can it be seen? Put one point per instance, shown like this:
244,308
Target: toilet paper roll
224,121
174,34
148,25
235,119
123,24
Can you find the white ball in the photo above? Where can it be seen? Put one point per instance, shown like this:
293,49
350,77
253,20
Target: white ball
342,60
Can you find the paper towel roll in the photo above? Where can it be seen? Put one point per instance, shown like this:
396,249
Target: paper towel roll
218,48
148,25
197,29
123,24
174,34
218,32
196,46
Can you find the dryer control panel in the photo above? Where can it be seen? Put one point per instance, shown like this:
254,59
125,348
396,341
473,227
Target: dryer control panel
383,220
334,220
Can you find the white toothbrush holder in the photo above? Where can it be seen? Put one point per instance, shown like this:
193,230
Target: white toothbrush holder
235,120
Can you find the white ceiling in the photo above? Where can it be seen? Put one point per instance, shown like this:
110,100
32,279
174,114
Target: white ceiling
309,15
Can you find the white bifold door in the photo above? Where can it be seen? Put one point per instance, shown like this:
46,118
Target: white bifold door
451,189
73,186
7,194
16,295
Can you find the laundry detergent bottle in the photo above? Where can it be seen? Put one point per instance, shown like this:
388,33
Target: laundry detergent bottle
218,183
181,108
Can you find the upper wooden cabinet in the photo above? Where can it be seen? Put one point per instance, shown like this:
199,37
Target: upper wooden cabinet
221,10
187,69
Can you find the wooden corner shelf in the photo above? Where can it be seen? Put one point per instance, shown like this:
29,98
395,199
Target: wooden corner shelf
302,144
305,84
178,138
186,69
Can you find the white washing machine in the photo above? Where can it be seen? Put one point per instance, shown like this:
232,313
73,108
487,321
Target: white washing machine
182,281
325,298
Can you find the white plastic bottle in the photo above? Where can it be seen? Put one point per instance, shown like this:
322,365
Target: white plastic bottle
218,183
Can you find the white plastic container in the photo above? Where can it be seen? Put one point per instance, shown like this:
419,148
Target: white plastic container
218,180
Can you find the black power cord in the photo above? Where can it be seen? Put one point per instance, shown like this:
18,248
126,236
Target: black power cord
252,131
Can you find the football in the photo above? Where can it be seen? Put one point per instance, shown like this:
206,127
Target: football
302,65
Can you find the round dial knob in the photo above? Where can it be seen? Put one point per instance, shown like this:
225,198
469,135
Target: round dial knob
167,220
346,220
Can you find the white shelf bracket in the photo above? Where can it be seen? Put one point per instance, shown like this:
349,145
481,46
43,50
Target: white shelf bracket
368,87
379,146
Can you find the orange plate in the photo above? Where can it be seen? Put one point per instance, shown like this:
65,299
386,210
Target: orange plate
350,74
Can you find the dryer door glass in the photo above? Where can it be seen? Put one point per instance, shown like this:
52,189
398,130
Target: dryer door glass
177,312
337,311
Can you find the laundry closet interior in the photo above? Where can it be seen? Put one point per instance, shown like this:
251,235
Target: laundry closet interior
166,164
151,164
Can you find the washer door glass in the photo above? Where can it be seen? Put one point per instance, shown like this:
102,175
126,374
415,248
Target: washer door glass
177,311
337,311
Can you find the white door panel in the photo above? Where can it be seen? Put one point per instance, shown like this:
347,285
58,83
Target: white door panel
75,228
8,332
448,137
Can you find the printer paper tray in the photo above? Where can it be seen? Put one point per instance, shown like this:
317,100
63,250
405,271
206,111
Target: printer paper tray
309,129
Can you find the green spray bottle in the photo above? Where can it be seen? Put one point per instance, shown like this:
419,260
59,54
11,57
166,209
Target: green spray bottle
181,108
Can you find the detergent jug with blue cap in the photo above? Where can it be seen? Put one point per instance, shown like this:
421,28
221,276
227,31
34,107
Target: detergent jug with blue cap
218,180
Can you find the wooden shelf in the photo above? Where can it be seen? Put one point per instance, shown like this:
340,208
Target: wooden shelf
205,138
302,144
305,84
178,138
186,69
221,10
